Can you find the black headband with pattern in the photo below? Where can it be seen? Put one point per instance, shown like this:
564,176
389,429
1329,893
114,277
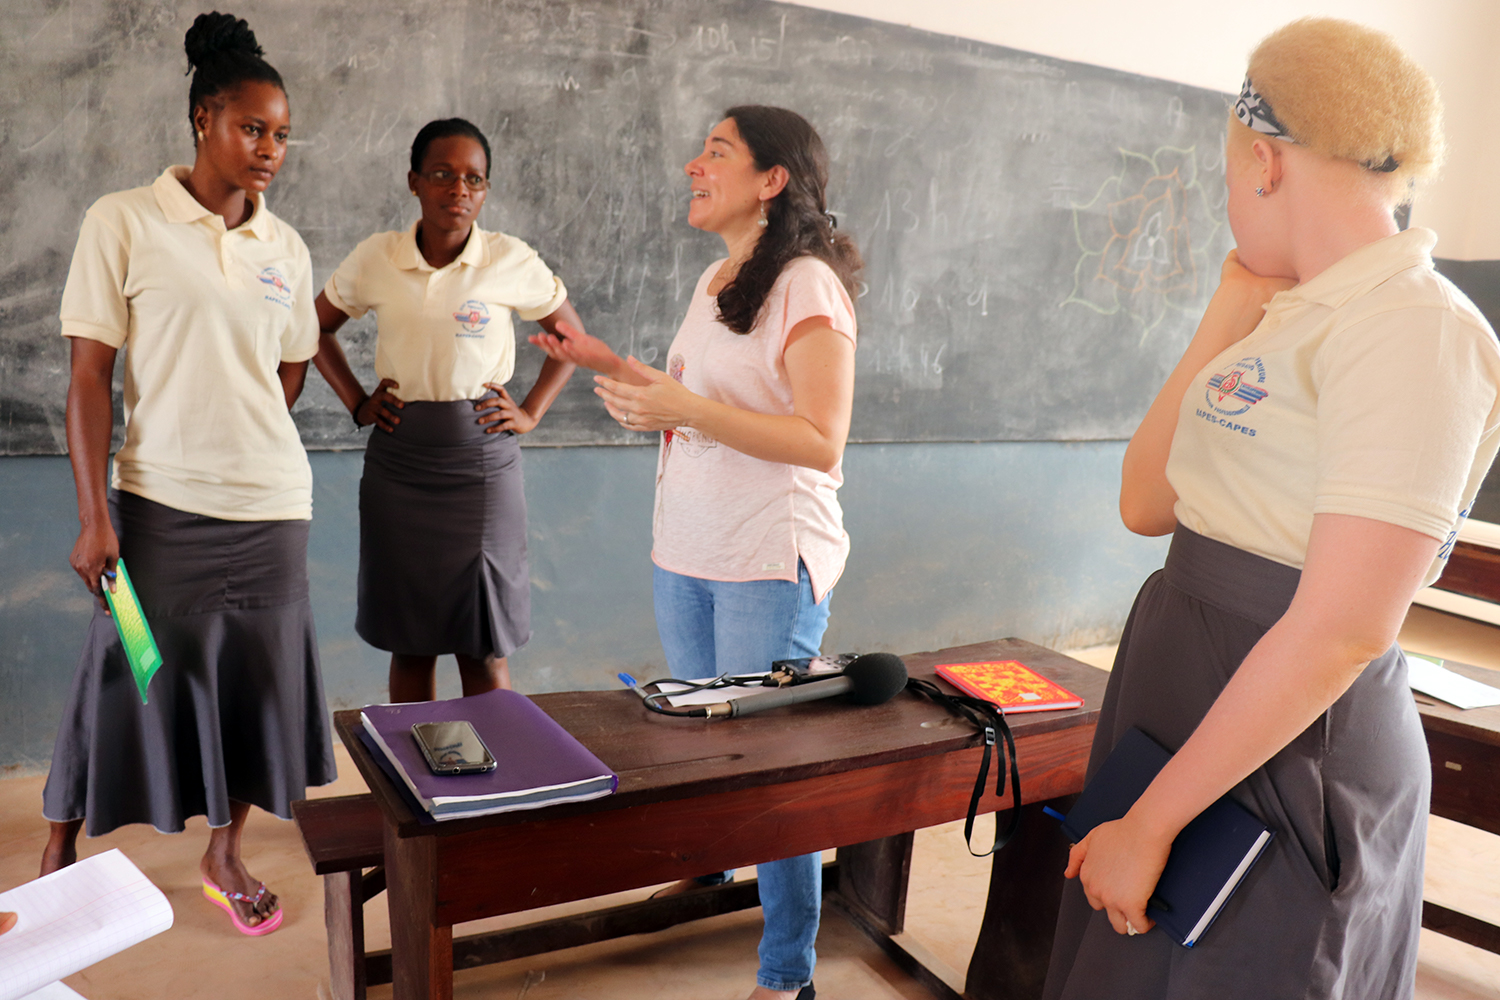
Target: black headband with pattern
1254,111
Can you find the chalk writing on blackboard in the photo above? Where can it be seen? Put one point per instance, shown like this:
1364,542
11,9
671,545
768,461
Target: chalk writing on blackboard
1144,255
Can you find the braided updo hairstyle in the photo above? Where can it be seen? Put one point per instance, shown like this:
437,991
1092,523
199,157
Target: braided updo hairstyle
222,54
797,219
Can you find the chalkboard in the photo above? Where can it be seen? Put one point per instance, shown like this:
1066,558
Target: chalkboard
1040,235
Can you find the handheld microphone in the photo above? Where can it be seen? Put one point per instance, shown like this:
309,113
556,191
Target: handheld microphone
871,679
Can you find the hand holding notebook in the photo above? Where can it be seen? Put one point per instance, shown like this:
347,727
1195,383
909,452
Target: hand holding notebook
1208,859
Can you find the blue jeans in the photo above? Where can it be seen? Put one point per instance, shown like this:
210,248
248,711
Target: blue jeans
711,627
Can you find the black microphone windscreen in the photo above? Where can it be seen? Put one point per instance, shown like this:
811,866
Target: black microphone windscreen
877,678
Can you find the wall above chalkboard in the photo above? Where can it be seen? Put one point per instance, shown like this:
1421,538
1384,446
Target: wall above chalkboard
1040,235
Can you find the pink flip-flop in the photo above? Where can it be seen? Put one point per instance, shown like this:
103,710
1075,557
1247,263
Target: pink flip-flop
221,898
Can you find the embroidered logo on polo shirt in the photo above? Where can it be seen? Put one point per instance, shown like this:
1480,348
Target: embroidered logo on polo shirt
277,290
1231,394
473,316
1235,391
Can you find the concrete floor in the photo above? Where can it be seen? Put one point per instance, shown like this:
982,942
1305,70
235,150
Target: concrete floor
202,956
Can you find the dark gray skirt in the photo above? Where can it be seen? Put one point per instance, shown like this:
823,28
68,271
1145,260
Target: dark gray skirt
442,537
1333,908
236,710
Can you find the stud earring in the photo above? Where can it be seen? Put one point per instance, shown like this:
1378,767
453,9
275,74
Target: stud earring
200,135
762,215
1260,192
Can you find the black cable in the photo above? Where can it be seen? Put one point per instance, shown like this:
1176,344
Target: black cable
989,718
721,682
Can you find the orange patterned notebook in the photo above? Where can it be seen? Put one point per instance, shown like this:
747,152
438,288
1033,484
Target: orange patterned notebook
1013,686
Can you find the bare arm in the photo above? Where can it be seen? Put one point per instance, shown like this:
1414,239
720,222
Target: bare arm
293,376
366,408
820,367
90,421
1355,590
1146,498
505,415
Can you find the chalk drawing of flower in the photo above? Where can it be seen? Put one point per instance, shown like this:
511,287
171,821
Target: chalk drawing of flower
1143,239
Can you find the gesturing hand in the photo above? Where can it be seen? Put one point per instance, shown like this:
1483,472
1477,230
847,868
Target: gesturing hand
660,403
573,346
380,407
1118,867
505,414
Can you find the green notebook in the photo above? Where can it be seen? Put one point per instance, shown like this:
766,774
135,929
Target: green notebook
135,634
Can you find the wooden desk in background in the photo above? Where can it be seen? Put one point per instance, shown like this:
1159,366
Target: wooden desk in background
702,795
1465,749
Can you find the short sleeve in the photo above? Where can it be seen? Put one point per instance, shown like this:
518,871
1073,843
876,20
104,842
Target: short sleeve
1404,400
812,289
299,342
94,305
537,291
343,287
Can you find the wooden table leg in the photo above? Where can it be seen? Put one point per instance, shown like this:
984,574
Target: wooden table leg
873,878
421,950
1026,882
344,918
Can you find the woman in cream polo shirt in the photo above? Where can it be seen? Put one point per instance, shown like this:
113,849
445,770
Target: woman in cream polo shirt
1313,455
212,297
442,560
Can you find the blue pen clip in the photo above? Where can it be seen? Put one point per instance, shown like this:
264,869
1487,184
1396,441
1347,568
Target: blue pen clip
1054,814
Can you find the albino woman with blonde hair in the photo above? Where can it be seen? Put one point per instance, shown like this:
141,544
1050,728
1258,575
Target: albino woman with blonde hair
1313,455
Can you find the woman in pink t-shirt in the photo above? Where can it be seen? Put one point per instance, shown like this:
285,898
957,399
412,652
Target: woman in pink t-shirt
753,412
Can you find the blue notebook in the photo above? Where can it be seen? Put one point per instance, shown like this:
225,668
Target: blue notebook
1209,857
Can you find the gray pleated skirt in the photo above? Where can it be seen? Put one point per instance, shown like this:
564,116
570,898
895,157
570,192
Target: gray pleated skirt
1333,908
236,710
442,537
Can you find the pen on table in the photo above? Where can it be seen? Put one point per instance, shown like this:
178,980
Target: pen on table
1156,901
631,683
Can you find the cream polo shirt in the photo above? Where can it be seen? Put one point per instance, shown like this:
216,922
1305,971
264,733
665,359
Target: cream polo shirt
442,333
205,316
1372,390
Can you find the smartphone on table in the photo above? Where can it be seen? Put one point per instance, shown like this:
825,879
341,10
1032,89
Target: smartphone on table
453,748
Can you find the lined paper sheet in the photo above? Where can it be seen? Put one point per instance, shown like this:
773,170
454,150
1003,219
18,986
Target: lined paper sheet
54,991
75,917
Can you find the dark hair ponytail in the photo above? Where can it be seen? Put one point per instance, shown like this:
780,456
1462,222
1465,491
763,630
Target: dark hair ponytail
222,53
445,128
797,220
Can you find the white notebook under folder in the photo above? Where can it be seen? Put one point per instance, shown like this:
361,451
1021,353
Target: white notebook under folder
75,917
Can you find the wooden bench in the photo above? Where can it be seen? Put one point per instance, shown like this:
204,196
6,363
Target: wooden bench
342,837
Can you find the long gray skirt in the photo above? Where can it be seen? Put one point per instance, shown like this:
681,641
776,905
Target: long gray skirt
1333,908
442,537
236,710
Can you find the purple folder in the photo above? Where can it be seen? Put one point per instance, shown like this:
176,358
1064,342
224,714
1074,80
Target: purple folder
538,762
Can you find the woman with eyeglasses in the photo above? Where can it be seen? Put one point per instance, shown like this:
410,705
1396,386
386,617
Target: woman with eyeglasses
442,560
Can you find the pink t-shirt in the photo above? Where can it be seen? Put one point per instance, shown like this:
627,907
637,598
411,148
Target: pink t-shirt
720,514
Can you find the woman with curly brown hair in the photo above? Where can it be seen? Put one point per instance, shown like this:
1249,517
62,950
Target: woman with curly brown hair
753,412
1312,455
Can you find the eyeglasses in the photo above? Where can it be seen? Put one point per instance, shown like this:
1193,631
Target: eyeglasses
444,178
